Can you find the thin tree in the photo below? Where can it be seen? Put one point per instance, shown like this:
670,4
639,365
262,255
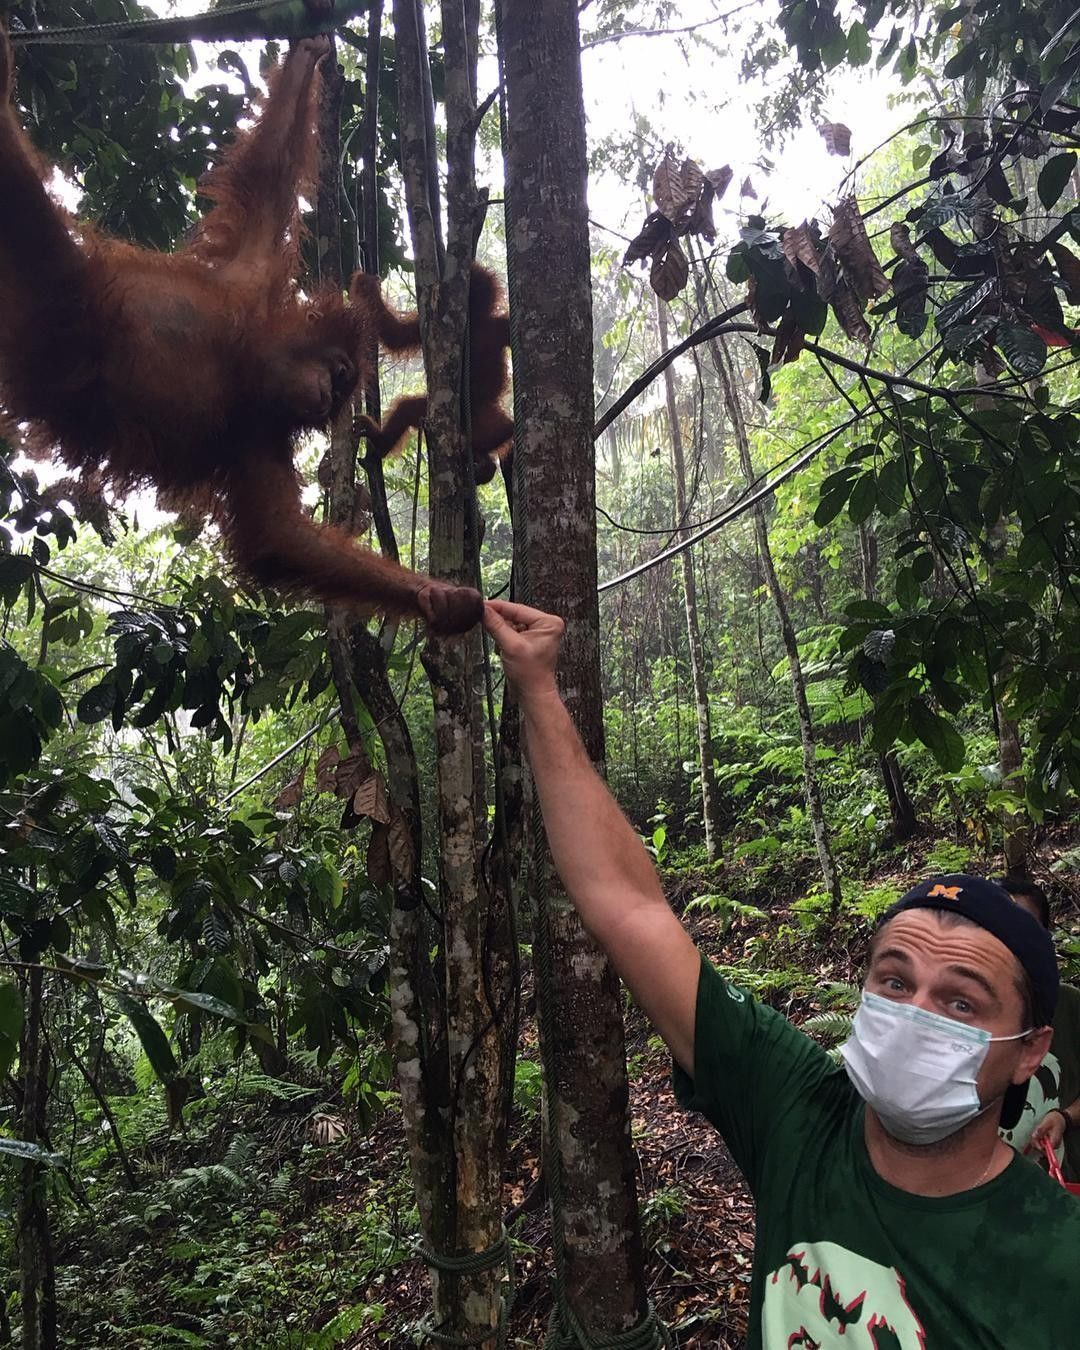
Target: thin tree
811,783
595,1228
709,812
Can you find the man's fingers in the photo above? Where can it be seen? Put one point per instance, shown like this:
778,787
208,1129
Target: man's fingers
523,615
494,621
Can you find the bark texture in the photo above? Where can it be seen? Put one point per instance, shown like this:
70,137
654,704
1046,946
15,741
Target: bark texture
555,538
466,1305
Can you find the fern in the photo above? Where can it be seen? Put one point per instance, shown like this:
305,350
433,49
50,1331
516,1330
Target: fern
345,1324
255,1084
830,1027
281,1185
241,1153
209,1179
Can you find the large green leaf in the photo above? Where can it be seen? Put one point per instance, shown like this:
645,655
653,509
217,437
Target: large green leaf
27,1152
938,734
1055,176
1024,350
151,1036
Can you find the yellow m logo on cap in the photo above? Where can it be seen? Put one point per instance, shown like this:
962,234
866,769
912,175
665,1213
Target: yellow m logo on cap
949,892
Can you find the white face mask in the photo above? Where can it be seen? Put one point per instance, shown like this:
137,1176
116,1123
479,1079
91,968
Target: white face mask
917,1070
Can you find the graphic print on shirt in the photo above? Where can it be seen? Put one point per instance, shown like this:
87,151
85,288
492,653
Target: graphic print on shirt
1044,1092
822,1292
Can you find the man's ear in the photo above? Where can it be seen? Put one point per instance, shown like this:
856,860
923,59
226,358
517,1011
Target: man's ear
1032,1053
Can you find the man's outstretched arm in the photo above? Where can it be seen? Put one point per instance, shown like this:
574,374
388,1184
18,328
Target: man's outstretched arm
602,862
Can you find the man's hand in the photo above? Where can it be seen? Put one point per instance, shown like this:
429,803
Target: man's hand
1051,1128
528,641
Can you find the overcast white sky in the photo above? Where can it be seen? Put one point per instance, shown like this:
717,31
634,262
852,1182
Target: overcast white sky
692,95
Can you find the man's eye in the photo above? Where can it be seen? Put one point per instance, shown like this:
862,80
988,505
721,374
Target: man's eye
894,984
962,1006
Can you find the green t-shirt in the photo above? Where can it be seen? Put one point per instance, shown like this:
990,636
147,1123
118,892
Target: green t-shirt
1056,1082
843,1260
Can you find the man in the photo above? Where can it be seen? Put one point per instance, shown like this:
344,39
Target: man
1052,1108
892,1216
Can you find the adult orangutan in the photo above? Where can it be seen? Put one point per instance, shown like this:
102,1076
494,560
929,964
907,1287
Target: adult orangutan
195,371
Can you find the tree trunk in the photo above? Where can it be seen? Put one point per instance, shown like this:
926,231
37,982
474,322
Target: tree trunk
37,1274
592,1177
709,814
466,1305
901,809
811,784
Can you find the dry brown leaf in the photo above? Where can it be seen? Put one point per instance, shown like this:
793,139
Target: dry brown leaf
370,799
848,237
352,771
402,852
798,244
655,234
326,1128
378,855
291,794
720,179
849,313
670,272
677,186
326,769
701,222
789,340
900,238
837,138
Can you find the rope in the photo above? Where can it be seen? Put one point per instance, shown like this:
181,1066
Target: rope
474,1263
565,1331
251,19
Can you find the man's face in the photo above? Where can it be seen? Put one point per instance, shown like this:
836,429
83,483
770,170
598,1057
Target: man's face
963,972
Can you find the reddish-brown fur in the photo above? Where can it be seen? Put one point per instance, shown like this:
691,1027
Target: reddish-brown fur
489,341
194,371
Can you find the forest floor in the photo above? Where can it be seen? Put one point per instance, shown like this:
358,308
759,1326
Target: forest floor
697,1213
698,1216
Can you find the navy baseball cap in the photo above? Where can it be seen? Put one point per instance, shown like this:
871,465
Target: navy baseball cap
986,904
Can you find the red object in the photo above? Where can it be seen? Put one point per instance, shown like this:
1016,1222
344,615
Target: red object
1052,339
1055,1169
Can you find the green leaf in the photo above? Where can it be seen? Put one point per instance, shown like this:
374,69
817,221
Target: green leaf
27,1152
97,703
907,588
198,1002
1055,176
938,734
81,966
15,569
152,1038
863,498
11,1021
1024,350
858,45
962,62
892,485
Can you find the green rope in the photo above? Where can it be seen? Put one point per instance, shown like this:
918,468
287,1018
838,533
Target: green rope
252,19
474,1263
571,1335
565,1331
